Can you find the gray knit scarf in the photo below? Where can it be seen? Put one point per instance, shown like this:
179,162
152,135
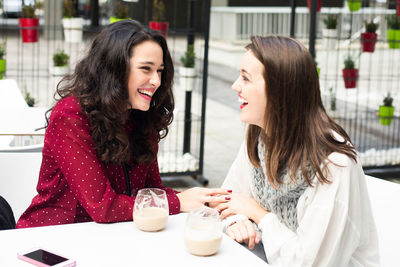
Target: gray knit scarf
282,202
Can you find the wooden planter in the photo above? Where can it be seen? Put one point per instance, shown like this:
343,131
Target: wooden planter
354,5
29,30
59,70
329,40
398,8
318,5
187,78
73,29
368,41
386,115
115,19
350,77
2,68
160,26
393,38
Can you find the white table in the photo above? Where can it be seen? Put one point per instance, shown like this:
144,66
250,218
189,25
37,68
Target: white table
10,95
17,185
120,244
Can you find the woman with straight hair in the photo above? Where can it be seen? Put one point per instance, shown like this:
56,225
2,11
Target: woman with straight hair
102,136
296,176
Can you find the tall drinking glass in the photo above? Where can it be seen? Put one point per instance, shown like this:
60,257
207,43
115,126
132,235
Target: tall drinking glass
203,232
150,212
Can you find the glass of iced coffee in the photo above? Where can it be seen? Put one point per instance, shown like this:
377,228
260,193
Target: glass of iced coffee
150,212
203,232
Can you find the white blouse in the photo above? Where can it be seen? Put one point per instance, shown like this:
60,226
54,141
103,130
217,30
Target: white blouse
336,227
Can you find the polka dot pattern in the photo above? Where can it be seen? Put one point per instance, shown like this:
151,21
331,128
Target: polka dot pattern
74,185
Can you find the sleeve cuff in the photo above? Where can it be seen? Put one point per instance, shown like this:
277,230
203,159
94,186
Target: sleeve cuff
174,204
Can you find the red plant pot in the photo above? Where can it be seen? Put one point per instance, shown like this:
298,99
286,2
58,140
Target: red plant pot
318,5
398,8
368,40
160,26
29,30
350,77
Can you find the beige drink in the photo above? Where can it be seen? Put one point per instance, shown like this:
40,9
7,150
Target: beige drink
203,247
151,219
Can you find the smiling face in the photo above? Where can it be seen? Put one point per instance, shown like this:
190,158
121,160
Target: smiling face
250,86
146,66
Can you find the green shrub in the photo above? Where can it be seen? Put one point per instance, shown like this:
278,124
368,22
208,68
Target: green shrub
60,59
120,10
69,10
371,26
29,99
388,100
158,10
349,63
393,22
3,49
331,21
28,12
188,59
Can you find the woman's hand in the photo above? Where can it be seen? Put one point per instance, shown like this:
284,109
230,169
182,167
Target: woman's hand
243,231
239,204
196,197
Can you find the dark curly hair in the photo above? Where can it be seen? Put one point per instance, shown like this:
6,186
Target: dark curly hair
100,82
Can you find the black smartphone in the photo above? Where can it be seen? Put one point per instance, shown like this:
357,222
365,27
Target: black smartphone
44,258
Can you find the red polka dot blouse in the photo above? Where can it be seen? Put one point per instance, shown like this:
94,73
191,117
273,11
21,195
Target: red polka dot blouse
74,185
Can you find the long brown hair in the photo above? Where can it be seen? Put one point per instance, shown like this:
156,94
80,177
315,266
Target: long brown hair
298,133
100,83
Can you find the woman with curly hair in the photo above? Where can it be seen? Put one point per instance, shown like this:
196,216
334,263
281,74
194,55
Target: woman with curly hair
296,176
102,136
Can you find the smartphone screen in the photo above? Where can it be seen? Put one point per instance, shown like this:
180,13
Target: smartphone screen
45,257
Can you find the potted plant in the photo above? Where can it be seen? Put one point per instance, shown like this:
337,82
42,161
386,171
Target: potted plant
72,25
368,38
2,59
386,110
330,32
393,31
158,23
29,24
29,99
354,5
398,8
350,73
188,72
120,12
60,64
318,5
332,101
333,111
318,68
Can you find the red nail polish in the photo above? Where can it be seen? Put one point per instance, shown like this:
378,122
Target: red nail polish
227,198
229,191
219,212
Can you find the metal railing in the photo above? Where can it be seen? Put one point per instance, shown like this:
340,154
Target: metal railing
238,24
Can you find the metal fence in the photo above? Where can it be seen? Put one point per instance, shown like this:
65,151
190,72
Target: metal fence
356,109
30,65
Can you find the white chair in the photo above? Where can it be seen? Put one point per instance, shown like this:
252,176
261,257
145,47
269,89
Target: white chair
10,95
385,203
19,173
23,149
